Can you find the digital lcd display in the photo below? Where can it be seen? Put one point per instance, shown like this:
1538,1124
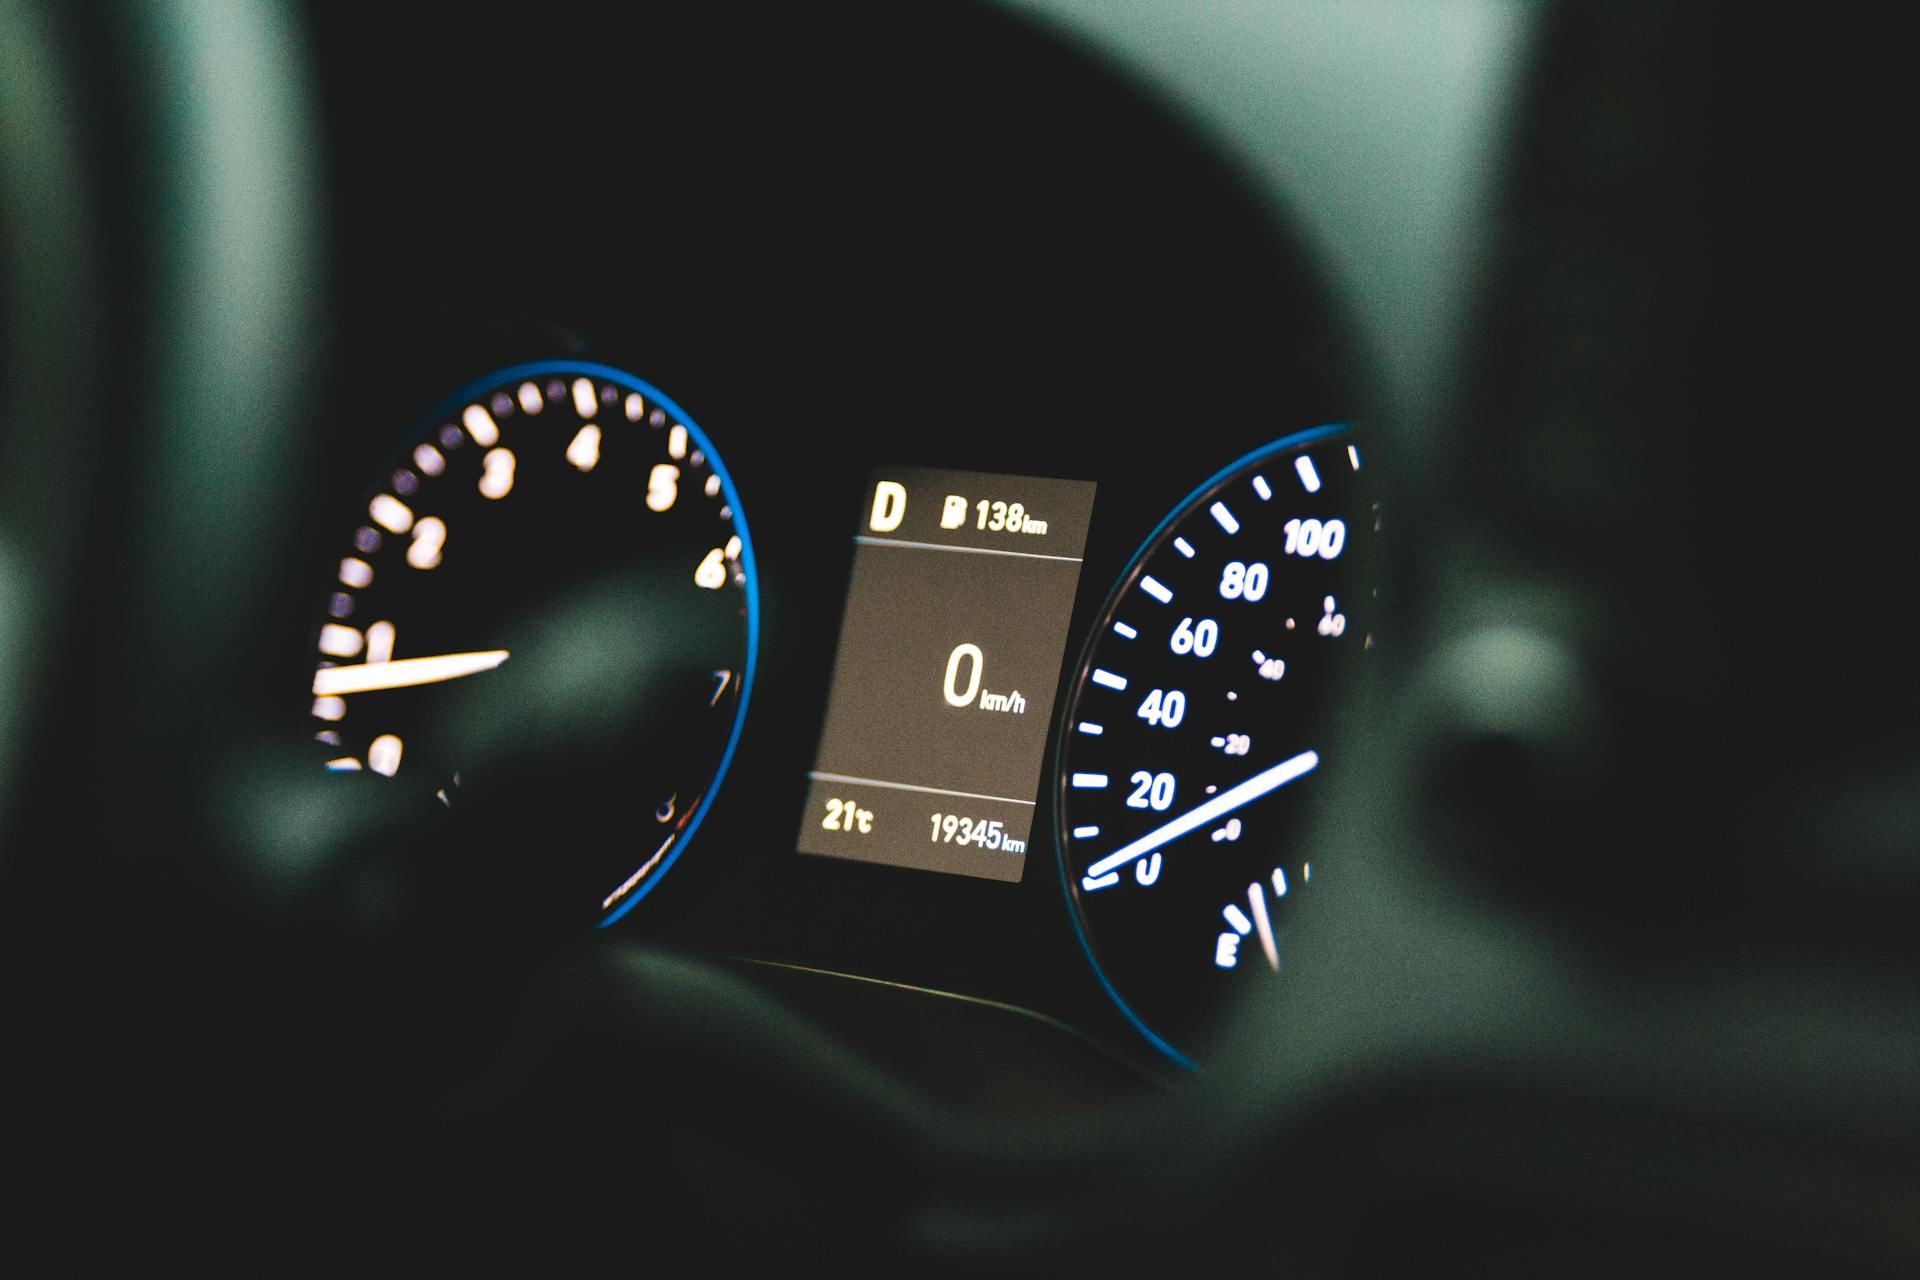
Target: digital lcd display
949,660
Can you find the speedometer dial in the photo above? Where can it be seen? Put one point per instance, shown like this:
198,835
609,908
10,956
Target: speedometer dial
1198,722
545,620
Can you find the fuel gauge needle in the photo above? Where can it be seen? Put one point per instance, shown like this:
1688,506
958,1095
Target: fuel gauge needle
1224,803
402,673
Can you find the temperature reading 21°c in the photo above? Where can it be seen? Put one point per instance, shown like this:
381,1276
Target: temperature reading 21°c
845,815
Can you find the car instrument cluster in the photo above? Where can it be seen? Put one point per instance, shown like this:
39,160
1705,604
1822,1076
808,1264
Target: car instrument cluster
1144,733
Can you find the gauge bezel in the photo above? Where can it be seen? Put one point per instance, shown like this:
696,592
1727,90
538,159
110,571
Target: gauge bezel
450,406
1123,585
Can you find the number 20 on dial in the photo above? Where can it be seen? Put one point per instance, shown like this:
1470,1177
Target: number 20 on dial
1201,715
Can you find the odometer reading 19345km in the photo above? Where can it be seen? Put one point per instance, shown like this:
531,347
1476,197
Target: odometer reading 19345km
1199,716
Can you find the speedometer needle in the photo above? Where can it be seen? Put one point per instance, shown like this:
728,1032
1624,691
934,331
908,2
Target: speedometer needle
364,677
1224,803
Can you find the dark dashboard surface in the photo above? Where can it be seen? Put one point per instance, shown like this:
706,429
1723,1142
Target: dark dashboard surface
1616,973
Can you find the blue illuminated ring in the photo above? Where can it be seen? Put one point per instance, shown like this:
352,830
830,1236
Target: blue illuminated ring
1180,509
654,396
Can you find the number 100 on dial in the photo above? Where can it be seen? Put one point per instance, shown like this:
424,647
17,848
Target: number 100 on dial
1202,713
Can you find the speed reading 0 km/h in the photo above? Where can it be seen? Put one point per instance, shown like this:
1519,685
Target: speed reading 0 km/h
1198,720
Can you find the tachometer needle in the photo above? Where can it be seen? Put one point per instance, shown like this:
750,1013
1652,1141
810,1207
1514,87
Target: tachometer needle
364,677
1224,803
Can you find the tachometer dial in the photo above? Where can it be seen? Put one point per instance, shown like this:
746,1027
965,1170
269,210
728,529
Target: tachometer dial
552,580
1199,719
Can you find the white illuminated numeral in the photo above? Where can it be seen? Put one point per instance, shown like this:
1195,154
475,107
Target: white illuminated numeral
1147,870
496,477
1226,950
481,426
383,755
584,452
337,641
1308,538
1151,791
391,514
583,403
429,537
977,662
1243,581
1199,639
1165,708
380,642
663,486
712,573
995,516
